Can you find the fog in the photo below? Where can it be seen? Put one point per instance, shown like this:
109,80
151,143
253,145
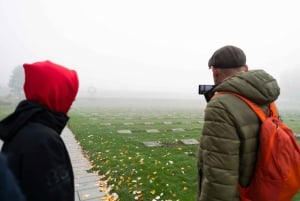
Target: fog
159,48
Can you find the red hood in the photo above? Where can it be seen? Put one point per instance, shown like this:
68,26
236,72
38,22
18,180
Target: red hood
51,85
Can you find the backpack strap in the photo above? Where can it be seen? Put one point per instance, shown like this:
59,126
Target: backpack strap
262,116
254,107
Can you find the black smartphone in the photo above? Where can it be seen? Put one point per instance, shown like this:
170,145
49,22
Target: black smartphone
203,88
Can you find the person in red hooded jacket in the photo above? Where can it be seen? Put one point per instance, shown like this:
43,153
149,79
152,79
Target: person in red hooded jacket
35,151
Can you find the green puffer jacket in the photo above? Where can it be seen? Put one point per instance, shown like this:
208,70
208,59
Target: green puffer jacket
229,141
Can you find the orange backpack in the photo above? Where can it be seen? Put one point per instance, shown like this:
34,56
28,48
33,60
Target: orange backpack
277,173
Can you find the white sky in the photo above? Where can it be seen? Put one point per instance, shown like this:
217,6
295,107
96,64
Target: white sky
139,45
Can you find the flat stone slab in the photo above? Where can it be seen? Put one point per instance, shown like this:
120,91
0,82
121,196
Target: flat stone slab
80,170
152,131
87,179
84,173
177,129
88,194
297,135
168,122
105,124
189,141
128,124
124,131
80,164
87,185
76,196
152,144
148,123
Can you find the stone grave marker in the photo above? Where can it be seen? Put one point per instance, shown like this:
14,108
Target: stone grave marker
124,131
297,135
105,124
189,141
177,129
152,144
128,123
149,123
168,122
152,130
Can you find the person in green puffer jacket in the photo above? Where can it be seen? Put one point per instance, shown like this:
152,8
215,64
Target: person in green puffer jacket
229,142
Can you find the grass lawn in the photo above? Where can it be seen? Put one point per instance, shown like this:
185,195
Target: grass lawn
137,172
134,171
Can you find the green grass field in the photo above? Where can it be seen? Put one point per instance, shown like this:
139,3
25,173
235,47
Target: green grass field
137,172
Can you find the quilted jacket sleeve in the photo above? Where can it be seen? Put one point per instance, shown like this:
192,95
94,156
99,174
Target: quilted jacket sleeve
228,149
218,156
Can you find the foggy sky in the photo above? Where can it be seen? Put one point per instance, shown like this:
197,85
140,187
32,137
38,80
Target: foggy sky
151,46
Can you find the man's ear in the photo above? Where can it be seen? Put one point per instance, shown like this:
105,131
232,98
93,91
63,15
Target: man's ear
216,74
245,68
215,71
